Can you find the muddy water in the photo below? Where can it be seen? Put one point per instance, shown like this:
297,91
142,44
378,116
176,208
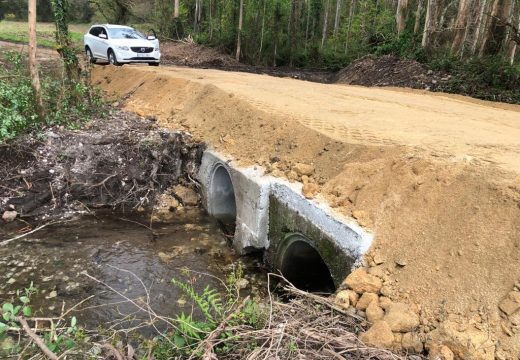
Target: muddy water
104,246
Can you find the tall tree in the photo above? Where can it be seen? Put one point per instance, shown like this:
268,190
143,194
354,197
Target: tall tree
337,17
496,31
400,16
418,16
64,42
240,21
460,26
33,66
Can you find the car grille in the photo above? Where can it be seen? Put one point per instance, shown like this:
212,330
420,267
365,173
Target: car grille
142,50
141,58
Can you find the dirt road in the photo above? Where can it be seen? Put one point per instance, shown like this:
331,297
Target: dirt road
435,177
444,124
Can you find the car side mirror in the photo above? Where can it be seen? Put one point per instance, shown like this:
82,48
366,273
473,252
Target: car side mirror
103,36
151,37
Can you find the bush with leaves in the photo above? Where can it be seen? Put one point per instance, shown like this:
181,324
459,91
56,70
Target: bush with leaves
62,107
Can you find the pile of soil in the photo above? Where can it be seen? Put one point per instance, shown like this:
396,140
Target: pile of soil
390,70
120,162
190,54
446,225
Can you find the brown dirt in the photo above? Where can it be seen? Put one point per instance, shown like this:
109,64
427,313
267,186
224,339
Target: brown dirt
436,178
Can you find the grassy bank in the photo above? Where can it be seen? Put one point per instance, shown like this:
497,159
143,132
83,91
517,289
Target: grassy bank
16,31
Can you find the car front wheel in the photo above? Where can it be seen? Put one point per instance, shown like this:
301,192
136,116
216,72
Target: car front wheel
153,64
112,58
90,58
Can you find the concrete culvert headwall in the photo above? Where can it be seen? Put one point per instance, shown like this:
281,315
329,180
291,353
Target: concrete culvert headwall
312,247
222,196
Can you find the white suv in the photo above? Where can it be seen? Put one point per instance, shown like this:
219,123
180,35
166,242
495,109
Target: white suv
121,45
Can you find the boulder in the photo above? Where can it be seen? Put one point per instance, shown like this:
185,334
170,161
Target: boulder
366,299
412,343
353,297
303,169
342,299
360,281
310,190
379,335
401,318
511,303
9,216
440,352
469,344
374,312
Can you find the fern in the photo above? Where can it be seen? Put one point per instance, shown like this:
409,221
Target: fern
209,302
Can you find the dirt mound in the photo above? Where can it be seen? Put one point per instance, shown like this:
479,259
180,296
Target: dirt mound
117,162
191,54
446,223
390,70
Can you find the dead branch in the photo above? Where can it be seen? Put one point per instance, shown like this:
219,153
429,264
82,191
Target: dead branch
5,242
37,340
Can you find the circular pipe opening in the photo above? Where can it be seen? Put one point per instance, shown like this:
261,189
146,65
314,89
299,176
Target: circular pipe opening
303,266
222,196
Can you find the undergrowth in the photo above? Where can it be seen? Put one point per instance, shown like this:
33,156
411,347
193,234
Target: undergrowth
64,104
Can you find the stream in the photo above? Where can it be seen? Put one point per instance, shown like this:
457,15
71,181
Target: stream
120,252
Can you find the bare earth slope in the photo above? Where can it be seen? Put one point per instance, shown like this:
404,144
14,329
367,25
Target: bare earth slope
435,177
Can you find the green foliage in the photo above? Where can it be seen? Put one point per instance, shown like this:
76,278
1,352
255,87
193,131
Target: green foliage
490,78
62,106
215,309
407,45
58,338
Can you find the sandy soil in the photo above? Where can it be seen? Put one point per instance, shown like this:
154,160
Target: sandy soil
436,178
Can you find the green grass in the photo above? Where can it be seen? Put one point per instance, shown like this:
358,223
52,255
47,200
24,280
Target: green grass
16,31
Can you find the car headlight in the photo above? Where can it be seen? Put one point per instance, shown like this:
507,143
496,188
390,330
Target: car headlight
124,48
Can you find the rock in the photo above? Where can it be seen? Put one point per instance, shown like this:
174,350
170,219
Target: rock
353,297
385,302
379,335
387,291
292,175
303,169
310,190
342,299
360,281
379,259
52,295
401,318
362,218
471,343
228,140
374,312
511,303
9,216
366,299
440,352
187,196
401,262
412,343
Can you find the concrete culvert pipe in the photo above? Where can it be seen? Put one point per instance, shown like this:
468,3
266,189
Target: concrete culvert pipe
222,201
301,264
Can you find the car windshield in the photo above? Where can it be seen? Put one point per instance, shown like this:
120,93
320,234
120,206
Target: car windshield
124,33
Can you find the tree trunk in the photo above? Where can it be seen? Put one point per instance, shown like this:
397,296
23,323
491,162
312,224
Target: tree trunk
308,21
64,43
325,24
176,9
292,32
33,66
400,16
496,32
428,23
240,19
479,26
460,26
262,31
337,17
351,13
418,17
514,46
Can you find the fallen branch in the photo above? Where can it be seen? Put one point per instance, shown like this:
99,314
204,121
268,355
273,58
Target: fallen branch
5,242
37,340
